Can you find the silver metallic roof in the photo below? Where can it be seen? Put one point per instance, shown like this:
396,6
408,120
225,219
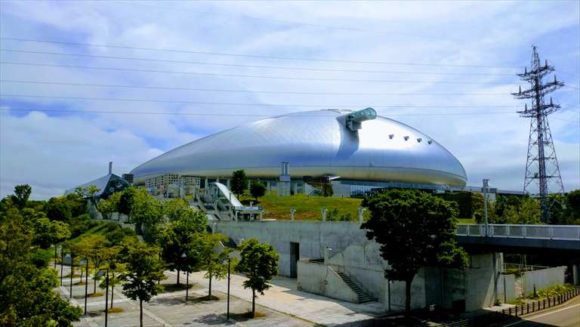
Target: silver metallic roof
315,143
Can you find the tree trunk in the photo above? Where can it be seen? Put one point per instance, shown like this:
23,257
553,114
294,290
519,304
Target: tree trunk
253,303
112,291
94,286
408,296
140,313
178,271
209,296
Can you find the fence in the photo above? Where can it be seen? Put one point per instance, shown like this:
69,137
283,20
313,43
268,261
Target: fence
552,232
512,313
534,306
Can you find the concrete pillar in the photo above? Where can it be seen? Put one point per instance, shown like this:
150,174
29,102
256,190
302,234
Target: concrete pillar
576,274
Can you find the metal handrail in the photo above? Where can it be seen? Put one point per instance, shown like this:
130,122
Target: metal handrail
552,232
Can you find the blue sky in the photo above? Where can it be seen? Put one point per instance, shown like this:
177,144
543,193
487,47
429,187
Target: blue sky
125,81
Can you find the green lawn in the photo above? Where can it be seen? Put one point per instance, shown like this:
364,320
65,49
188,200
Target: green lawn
466,221
307,207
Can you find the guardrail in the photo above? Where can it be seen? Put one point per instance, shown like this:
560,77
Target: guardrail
552,232
513,314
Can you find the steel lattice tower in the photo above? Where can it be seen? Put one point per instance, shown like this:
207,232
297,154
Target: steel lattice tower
542,164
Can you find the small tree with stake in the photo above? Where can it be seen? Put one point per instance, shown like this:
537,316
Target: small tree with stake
144,270
239,182
415,229
177,238
212,258
259,262
257,190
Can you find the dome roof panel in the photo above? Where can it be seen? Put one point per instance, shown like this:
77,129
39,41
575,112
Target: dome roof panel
315,143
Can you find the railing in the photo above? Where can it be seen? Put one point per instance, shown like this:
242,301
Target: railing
512,314
552,232
537,305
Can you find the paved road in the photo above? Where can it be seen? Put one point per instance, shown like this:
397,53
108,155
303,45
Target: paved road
567,315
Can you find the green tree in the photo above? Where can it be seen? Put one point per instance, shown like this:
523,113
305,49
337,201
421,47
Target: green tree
177,238
58,208
48,232
573,206
94,248
258,189
259,262
76,203
147,214
21,195
559,213
239,182
213,257
126,201
326,189
109,205
177,209
115,267
26,290
503,202
144,270
414,229
527,212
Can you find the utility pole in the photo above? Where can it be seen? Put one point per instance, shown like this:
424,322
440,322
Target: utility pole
542,164
485,218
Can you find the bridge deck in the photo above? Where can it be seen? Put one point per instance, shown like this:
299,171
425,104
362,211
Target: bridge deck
529,237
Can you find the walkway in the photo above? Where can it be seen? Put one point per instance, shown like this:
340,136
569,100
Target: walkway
283,305
284,297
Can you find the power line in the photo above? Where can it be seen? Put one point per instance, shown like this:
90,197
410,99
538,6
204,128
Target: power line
252,66
229,114
228,75
232,103
246,55
229,90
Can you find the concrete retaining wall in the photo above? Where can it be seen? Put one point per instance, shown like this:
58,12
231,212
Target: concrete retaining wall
507,288
542,278
313,236
344,247
321,279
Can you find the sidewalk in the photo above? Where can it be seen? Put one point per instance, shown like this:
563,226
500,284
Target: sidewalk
284,297
282,304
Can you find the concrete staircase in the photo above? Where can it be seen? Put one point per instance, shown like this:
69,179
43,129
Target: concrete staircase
363,296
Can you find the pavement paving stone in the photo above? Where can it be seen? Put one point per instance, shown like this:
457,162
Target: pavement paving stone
282,305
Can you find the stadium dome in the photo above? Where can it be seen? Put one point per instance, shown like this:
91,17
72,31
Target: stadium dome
356,146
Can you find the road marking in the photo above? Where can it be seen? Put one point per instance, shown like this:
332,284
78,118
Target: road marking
543,315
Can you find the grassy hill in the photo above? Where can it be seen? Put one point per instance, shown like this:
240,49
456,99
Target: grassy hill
307,207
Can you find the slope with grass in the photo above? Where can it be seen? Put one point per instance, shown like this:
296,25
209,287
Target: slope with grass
308,207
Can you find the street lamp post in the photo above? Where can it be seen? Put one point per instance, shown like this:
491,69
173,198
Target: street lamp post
184,256
55,255
100,274
229,278
68,257
72,271
107,299
61,264
86,263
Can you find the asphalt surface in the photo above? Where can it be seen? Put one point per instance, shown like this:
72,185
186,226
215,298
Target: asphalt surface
567,315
